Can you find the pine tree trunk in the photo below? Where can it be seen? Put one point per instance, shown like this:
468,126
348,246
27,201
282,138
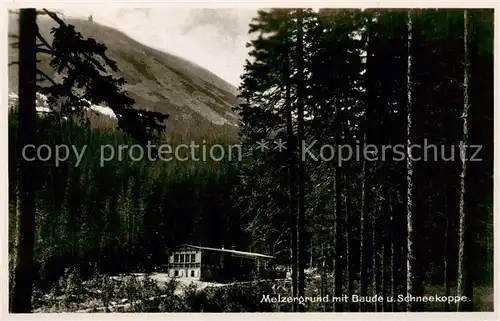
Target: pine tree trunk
386,257
323,279
363,254
338,241
383,279
301,179
24,272
394,264
375,262
409,167
348,236
463,273
365,208
292,186
449,210
446,267
14,234
311,255
338,214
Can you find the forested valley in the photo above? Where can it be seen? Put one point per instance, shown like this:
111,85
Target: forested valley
368,225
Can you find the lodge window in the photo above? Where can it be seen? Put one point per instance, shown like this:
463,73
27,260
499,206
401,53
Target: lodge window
185,260
192,273
176,273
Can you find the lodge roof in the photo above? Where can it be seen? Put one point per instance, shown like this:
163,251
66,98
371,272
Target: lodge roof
235,252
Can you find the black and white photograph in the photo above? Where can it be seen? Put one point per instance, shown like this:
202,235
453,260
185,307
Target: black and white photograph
190,159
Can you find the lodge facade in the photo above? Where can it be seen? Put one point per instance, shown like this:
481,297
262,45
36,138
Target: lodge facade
214,264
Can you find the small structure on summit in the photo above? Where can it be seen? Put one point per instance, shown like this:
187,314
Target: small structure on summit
214,264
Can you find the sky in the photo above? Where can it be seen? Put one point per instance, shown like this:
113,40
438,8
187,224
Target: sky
212,38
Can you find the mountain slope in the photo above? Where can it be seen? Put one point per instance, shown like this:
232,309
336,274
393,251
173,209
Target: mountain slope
199,103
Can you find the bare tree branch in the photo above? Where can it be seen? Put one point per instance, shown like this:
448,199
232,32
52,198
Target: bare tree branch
42,39
47,77
45,51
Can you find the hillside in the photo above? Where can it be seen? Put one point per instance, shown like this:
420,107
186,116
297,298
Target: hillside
199,103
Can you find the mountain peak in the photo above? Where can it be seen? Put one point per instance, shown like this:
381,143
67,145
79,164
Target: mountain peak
198,101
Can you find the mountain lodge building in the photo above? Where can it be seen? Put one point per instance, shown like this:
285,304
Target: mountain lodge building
214,264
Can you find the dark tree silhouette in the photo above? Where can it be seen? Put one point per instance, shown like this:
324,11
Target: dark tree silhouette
23,270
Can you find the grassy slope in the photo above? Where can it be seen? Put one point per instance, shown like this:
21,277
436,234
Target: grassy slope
198,102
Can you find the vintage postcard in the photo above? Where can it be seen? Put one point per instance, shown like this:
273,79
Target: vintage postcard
190,159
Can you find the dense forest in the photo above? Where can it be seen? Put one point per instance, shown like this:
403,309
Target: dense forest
379,78
379,222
